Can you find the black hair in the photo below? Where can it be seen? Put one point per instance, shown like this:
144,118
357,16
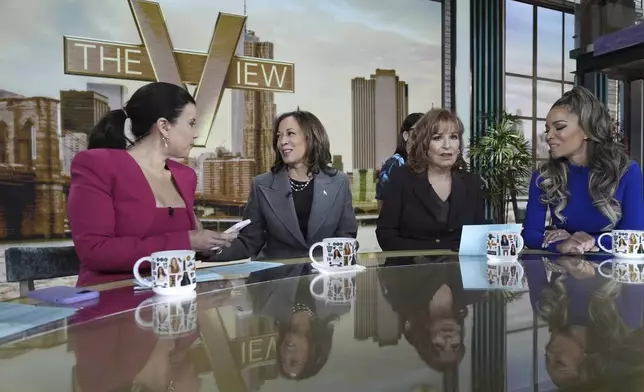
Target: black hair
318,146
407,125
148,104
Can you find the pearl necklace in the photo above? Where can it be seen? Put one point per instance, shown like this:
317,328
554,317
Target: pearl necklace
297,187
298,307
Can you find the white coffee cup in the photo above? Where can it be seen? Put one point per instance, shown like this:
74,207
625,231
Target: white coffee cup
505,275
173,272
336,289
624,271
338,254
171,317
503,244
627,244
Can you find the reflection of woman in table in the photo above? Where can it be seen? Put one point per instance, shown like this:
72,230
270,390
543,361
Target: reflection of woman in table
114,354
305,325
432,305
588,316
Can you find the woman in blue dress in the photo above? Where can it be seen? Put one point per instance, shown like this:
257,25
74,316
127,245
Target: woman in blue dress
400,156
589,185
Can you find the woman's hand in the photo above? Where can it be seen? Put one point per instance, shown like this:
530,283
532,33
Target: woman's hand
551,236
578,243
205,240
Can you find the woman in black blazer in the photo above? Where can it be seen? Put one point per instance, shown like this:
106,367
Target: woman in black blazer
428,201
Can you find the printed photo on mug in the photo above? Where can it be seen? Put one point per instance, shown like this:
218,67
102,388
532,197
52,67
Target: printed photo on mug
172,272
334,289
504,245
623,271
625,243
337,254
168,318
508,275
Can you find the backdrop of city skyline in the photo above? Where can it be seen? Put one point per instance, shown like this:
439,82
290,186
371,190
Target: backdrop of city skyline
407,40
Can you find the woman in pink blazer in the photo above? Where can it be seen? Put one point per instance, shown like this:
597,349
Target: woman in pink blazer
128,198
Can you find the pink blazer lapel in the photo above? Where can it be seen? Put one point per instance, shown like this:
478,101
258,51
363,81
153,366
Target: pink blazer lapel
186,180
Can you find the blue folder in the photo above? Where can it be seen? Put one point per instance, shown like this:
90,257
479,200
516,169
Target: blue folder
19,318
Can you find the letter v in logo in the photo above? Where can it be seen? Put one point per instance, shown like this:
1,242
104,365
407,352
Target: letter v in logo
154,35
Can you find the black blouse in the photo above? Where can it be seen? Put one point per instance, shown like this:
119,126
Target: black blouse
303,200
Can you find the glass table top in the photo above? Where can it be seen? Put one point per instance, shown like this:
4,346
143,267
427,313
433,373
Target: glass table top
406,323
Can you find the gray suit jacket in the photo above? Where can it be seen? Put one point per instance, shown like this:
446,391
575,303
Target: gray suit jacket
274,232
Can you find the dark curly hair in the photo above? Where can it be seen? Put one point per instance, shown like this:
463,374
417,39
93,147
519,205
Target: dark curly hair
318,147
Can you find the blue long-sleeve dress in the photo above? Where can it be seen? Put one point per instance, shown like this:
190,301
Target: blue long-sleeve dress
580,213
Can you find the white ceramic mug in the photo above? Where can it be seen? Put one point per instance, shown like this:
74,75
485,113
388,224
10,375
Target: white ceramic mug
505,275
338,254
173,272
503,245
624,270
171,317
336,289
627,244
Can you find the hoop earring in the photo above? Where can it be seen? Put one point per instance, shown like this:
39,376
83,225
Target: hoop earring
165,141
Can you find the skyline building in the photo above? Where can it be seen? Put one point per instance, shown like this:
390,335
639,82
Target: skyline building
227,179
32,196
72,143
379,106
81,110
259,111
337,162
238,105
373,315
115,93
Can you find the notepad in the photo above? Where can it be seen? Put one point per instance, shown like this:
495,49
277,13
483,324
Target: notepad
210,264
19,318
207,275
244,269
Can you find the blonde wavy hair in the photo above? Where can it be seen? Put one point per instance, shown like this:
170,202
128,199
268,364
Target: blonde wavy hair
607,159
606,327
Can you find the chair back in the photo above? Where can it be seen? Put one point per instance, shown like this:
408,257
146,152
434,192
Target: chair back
26,264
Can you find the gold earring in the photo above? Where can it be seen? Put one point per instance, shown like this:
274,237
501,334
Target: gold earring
165,141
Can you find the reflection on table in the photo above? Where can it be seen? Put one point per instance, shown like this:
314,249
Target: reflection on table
408,322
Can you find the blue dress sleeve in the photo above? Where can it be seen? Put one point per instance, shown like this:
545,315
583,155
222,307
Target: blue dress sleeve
633,200
535,218
383,175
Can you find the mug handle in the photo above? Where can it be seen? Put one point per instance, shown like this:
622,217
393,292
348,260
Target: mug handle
599,267
521,271
138,276
520,243
599,243
311,249
139,319
312,290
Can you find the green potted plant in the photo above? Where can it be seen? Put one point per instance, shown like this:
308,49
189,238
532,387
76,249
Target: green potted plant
503,158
